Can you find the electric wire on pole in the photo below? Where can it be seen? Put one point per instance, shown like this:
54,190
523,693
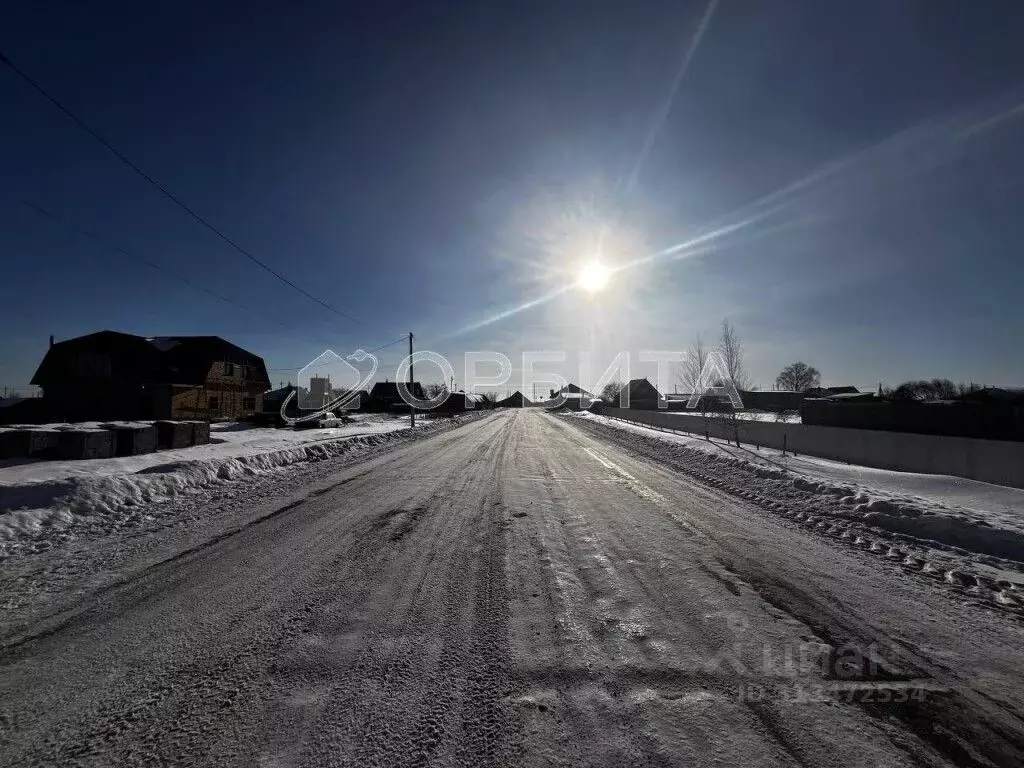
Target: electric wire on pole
163,190
412,408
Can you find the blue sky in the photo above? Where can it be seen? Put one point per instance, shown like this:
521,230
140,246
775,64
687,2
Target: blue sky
427,166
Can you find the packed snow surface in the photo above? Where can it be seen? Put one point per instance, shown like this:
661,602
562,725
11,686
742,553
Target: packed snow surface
525,589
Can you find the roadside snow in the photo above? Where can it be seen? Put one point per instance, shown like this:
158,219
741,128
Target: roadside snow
1000,504
227,441
979,522
790,417
39,497
787,418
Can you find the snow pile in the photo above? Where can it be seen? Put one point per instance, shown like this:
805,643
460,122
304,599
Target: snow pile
40,498
789,417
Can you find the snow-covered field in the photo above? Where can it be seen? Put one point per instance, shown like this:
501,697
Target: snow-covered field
39,497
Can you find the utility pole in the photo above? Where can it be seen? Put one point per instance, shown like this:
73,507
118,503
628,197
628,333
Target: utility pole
412,408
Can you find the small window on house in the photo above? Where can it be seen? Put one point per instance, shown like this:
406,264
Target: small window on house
229,369
214,403
248,403
245,372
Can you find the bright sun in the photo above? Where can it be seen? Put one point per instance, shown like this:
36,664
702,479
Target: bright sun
594,277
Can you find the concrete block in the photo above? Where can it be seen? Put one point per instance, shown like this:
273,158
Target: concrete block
173,434
27,442
79,444
200,432
132,438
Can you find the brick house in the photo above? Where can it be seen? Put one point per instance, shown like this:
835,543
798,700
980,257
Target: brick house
112,375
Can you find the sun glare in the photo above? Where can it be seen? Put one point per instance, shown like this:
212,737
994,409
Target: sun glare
594,277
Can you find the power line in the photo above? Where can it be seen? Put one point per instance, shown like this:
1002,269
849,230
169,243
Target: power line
50,215
107,244
385,346
368,351
170,196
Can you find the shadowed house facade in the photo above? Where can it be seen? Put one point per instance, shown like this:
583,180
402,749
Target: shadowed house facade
385,396
643,395
113,375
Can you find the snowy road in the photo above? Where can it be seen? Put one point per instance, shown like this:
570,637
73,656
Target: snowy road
517,591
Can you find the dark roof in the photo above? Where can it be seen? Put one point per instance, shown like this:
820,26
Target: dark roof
826,391
467,397
280,393
853,397
572,389
388,390
158,359
190,357
642,389
516,400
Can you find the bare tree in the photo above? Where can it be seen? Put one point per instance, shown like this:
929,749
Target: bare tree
692,366
610,393
798,377
928,389
434,390
730,347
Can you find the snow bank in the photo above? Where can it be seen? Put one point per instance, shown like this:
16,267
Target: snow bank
38,498
937,510
768,416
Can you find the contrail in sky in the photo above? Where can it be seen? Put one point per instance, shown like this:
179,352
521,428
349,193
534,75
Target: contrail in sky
914,150
515,310
666,107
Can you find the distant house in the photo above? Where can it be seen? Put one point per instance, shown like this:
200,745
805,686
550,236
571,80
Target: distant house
517,400
385,396
23,410
571,390
643,395
676,401
272,400
112,375
462,401
358,400
320,393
